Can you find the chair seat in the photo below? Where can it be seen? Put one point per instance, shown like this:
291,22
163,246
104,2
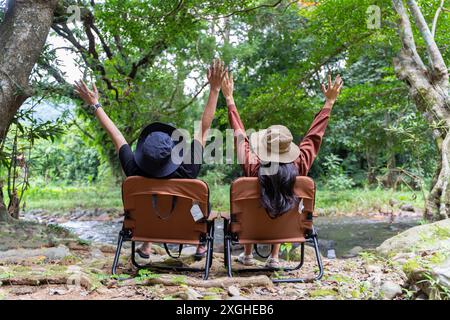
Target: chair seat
160,210
249,223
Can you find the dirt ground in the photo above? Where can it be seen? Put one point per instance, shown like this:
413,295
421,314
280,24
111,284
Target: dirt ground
84,273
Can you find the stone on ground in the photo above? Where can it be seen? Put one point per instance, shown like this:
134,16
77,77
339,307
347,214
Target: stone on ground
423,252
17,256
434,236
390,290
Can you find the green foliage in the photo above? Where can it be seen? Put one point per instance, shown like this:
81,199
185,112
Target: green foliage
68,159
335,177
145,274
287,247
150,66
438,291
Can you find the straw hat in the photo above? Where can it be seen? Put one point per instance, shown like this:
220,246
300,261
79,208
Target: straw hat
274,144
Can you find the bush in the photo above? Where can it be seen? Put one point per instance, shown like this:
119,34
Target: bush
335,177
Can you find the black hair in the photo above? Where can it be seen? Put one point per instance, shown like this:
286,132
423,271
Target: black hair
277,190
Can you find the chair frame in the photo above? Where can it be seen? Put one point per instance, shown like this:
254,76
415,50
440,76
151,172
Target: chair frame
207,239
231,239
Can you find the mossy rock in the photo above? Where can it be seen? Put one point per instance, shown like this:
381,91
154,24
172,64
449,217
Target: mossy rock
429,237
428,265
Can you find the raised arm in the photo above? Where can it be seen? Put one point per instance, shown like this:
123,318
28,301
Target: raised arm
245,157
91,98
215,76
310,145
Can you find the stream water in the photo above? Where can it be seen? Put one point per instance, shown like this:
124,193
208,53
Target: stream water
337,234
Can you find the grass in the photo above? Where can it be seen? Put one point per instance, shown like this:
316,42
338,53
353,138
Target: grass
107,196
62,198
364,200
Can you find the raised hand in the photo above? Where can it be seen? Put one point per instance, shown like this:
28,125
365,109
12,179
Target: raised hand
215,74
89,96
228,84
332,91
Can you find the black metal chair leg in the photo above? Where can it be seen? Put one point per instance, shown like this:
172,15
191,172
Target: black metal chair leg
319,262
208,260
211,255
225,243
213,229
318,257
229,257
117,255
133,256
225,253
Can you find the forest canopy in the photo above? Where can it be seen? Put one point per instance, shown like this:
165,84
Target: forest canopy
149,58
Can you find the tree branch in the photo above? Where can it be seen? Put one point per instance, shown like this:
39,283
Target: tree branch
193,98
273,5
406,34
437,61
159,47
105,46
436,17
177,8
63,30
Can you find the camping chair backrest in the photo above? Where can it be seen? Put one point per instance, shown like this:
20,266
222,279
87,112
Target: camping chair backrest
159,210
251,223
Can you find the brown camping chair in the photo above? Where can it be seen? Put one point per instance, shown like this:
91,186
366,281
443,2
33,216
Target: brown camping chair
250,223
159,210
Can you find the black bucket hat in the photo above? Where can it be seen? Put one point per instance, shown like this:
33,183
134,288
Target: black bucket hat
153,152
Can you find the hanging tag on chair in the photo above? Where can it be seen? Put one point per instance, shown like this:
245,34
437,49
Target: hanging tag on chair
301,206
196,212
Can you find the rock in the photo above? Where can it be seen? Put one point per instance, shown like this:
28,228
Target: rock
233,291
331,254
407,207
372,268
353,252
327,244
59,292
441,273
17,256
393,202
106,248
294,255
291,292
427,278
22,290
423,253
103,217
190,294
80,280
96,253
402,258
389,290
415,239
187,251
421,297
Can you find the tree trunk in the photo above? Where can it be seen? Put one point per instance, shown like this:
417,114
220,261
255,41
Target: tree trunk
23,33
429,87
4,217
437,205
434,105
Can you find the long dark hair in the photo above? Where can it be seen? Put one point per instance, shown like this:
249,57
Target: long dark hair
277,190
